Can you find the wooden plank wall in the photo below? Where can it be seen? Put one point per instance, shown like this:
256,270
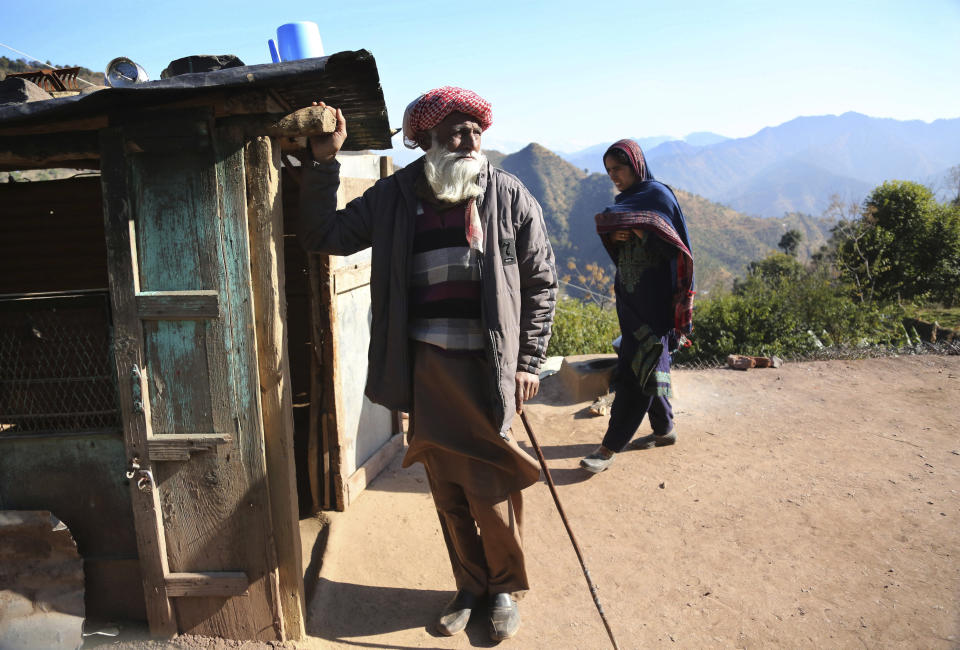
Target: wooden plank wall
215,508
128,346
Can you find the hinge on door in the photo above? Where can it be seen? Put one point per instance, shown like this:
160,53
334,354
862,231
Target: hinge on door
136,388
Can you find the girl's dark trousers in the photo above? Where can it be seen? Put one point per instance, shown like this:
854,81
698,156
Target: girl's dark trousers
630,405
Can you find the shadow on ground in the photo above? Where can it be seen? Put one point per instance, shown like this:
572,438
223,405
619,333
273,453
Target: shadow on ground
559,452
319,529
350,614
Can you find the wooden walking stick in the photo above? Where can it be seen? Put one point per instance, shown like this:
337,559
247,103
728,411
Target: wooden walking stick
563,516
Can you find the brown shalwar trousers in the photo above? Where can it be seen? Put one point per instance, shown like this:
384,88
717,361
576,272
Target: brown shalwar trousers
475,473
483,537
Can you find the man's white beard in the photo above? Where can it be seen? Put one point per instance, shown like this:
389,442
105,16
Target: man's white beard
451,177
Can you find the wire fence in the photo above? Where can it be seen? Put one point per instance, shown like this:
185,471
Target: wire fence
600,298
56,366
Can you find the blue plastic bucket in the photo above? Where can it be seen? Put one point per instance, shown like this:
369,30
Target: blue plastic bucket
299,40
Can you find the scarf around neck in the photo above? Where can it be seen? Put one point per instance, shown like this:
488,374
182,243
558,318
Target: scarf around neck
472,226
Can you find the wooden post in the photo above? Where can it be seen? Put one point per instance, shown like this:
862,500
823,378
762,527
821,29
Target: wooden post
318,451
324,402
386,166
265,223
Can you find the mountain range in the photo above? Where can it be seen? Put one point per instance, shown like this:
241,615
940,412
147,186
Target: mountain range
801,164
590,159
724,241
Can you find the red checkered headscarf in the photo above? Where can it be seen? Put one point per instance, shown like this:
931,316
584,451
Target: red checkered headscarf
430,108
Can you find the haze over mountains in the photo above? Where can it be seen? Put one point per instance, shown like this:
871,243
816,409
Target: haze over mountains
589,159
799,165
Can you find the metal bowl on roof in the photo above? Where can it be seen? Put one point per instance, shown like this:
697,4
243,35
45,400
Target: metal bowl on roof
122,72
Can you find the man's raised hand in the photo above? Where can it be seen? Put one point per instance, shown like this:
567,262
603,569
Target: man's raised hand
325,147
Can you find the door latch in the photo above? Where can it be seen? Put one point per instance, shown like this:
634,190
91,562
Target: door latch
144,476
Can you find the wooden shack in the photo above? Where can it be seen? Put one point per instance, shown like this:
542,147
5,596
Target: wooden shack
179,382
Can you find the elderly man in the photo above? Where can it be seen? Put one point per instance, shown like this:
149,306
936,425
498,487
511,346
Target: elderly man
463,288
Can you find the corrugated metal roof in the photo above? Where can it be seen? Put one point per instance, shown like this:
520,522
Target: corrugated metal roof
347,80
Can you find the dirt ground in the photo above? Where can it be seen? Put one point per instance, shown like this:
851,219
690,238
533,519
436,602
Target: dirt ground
814,505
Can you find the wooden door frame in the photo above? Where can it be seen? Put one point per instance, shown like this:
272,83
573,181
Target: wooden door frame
267,274
332,488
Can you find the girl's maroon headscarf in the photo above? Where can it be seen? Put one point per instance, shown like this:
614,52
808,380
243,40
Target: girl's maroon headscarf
635,154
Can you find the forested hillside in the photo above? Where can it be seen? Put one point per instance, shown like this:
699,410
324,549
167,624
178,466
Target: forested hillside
724,241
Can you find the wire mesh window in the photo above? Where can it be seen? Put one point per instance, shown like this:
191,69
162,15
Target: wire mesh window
56,365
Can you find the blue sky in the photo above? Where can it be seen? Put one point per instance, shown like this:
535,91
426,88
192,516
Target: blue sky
564,74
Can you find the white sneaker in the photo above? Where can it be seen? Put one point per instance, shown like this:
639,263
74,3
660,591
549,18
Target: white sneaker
598,460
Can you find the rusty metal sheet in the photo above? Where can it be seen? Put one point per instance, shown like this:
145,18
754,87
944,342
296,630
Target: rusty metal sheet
58,79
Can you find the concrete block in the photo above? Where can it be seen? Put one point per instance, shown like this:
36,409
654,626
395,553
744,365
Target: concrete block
41,583
587,376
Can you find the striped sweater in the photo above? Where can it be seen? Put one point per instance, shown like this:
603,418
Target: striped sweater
445,281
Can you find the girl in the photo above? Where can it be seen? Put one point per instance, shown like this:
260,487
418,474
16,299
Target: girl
646,236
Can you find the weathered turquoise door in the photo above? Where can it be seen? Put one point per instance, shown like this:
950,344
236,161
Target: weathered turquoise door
175,210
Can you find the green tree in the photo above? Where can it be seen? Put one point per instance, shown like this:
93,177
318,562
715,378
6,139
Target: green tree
790,242
905,246
942,265
953,184
774,269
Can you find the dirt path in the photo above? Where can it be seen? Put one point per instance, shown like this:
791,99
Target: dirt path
815,505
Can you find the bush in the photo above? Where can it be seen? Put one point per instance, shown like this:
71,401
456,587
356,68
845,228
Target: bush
902,246
782,308
583,328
